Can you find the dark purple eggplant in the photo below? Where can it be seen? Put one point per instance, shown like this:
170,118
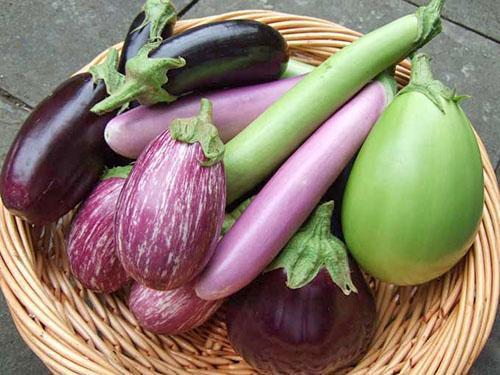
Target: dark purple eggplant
58,154
214,55
312,313
91,243
172,311
156,20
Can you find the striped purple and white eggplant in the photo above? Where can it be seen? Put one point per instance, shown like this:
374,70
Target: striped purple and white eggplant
171,209
172,311
91,243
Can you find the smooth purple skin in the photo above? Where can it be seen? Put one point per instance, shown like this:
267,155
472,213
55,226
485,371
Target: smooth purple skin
316,329
233,109
91,245
170,213
58,154
290,196
172,311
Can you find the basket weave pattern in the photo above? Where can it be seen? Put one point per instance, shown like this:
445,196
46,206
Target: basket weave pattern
439,327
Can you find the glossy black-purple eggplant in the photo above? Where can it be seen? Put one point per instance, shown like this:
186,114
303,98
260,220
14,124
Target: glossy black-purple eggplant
157,20
313,313
214,55
58,154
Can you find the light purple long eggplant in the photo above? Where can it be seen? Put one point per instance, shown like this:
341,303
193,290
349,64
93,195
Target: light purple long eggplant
129,133
290,196
171,209
172,311
91,243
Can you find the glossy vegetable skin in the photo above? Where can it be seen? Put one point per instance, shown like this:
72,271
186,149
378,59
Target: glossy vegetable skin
226,53
138,36
172,311
414,198
91,244
129,133
289,197
316,329
171,209
216,55
58,154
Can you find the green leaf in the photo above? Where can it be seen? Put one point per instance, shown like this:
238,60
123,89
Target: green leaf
313,248
158,13
107,71
199,129
144,81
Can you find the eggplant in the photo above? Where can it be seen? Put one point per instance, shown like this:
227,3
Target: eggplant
215,55
311,313
58,154
157,20
171,209
170,312
91,242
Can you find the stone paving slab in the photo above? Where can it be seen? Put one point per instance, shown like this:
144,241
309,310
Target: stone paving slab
16,358
46,41
11,115
480,15
462,59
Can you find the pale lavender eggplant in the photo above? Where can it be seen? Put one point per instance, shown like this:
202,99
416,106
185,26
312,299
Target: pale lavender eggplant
290,196
172,311
129,133
91,243
170,214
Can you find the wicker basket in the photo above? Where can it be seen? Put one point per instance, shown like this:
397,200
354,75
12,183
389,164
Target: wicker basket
439,327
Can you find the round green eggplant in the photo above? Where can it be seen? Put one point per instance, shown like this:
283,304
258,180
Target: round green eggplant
414,198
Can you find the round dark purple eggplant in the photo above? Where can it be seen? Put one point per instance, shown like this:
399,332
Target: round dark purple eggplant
91,244
58,154
316,329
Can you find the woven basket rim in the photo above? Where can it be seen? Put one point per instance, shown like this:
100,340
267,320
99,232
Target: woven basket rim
440,327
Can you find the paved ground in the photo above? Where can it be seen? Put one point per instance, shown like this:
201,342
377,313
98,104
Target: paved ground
42,42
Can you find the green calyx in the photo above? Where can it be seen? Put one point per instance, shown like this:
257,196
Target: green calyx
231,217
200,129
121,172
158,13
312,248
423,82
107,71
429,22
144,79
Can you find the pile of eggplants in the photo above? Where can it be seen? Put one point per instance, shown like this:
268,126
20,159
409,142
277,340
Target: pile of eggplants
278,151
41,180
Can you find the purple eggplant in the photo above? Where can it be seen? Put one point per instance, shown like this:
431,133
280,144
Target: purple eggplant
91,243
58,154
214,55
172,311
171,209
157,20
310,314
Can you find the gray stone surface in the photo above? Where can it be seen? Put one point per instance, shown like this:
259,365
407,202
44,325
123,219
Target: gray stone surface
462,59
16,358
11,115
45,42
479,15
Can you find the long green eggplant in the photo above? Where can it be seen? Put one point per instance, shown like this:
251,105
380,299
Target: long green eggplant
263,146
